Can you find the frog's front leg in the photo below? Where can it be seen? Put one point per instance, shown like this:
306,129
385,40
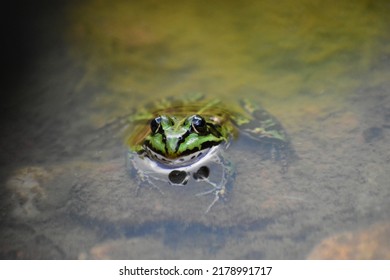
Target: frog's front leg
219,189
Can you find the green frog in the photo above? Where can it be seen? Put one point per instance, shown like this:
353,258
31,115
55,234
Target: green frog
176,142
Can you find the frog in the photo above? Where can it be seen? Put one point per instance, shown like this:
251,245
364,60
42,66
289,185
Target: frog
177,141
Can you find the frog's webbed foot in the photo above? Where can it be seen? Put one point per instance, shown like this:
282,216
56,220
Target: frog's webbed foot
142,179
146,181
219,192
218,189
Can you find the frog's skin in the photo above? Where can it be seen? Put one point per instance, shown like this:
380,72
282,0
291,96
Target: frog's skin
178,141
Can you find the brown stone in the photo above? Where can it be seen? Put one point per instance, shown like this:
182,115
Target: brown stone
367,244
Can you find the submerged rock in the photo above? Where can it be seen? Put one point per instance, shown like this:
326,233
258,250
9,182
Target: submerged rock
371,243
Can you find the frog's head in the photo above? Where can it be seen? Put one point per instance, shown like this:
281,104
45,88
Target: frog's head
171,137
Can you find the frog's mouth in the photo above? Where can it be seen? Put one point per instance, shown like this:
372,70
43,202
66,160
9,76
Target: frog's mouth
183,160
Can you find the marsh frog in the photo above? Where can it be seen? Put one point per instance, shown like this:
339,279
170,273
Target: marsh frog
175,142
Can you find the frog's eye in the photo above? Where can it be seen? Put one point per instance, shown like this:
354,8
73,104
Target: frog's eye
199,124
155,124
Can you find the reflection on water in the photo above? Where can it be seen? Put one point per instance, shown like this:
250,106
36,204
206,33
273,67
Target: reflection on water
321,68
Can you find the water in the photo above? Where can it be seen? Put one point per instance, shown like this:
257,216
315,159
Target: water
321,68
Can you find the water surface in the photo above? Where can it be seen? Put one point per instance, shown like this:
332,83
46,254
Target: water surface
321,68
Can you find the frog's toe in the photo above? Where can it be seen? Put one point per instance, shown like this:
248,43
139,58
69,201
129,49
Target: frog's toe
219,194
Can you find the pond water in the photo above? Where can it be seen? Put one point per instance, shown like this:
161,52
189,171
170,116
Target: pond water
79,69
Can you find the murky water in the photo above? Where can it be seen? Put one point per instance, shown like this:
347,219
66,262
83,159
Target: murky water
322,68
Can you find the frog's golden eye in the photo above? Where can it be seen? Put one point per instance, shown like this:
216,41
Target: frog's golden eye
199,124
155,124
